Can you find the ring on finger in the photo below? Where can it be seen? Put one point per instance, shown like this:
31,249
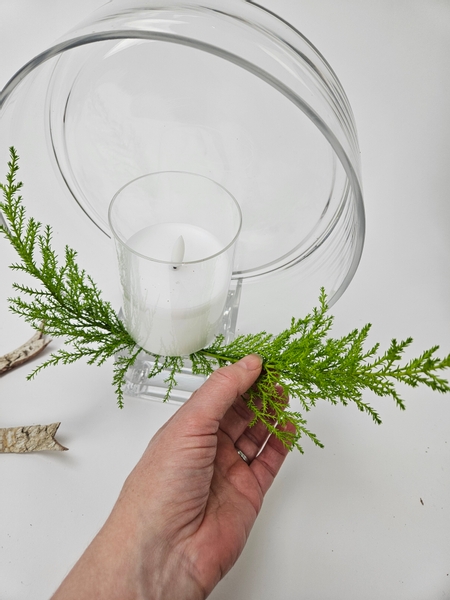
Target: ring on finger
243,456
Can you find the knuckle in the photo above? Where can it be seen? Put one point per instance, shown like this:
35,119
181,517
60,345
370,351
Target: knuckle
226,377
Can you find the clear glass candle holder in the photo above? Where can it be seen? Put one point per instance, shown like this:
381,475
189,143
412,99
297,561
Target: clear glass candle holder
175,235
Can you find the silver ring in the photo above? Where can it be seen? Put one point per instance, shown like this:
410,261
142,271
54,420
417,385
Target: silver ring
243,456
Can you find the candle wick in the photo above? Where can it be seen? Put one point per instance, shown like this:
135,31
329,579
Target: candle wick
178,251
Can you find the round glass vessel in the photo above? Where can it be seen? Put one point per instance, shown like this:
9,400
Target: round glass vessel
221,88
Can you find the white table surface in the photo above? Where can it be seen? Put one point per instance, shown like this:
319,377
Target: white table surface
366,518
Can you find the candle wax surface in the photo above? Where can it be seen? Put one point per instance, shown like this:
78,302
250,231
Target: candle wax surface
157,242
174,311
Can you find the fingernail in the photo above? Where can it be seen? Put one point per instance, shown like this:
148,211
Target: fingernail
250,362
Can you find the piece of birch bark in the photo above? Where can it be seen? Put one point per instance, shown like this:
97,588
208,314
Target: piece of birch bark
25,352
33,438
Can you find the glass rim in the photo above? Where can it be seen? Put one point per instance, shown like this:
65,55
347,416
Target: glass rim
117,237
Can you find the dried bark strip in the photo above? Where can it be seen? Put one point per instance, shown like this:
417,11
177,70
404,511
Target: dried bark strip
25,352
33,438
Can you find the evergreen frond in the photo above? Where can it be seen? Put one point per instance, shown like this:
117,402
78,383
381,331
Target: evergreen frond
303,360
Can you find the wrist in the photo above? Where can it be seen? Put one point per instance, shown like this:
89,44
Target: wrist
166,576
151,565
127,561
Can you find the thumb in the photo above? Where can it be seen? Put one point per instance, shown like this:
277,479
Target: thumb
221,389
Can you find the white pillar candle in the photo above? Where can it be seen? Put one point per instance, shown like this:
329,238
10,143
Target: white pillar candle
175,236
174,300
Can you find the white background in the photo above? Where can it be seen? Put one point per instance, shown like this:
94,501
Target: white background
343,523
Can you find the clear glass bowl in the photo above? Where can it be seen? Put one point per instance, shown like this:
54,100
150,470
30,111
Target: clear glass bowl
222,88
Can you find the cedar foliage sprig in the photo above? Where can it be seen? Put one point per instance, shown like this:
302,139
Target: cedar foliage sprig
303,359
67,303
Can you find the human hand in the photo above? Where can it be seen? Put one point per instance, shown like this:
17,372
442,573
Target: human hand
186,510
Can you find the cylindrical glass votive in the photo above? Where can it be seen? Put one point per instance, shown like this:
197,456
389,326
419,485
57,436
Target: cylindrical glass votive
175,235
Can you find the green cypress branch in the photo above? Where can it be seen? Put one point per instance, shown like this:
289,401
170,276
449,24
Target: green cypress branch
303,360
